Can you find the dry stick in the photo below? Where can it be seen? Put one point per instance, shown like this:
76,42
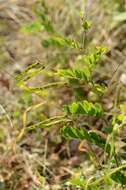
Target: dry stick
45,154
12,142
115,105
24,119
46,125
6,72
7,116
84,35
117,95
41,164
113,75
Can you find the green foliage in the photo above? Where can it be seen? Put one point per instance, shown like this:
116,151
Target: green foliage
84,66
60,42
92,59
119,177
78,77
99,89
76,73
76,133
43,22
28,73
82,134
86,24
36,26
42,12
77,180
85,107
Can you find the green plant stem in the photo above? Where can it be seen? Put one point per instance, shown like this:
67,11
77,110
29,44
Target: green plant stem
96,182
45,125
92,154
50,85
84,40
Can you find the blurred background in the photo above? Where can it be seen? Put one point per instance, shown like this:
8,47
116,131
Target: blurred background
43,160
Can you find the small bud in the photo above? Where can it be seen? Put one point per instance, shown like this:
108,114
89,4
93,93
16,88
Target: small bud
82,15
86,24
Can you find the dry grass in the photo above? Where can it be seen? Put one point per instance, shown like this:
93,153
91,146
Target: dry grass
45,153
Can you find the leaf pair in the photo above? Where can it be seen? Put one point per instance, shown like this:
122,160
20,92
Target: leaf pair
82,134
60,42
31,71
76,73
84,107
91,59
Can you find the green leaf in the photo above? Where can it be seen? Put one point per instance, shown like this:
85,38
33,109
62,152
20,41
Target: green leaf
76,73
96,139
83,134
28,73
86,24
77,180
35,26
74,132
60,42
119,177
99,89
74,108
42,13
91,59
84,107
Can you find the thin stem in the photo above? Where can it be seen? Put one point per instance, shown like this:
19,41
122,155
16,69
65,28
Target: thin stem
50,85
84,35
45,125
96,182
